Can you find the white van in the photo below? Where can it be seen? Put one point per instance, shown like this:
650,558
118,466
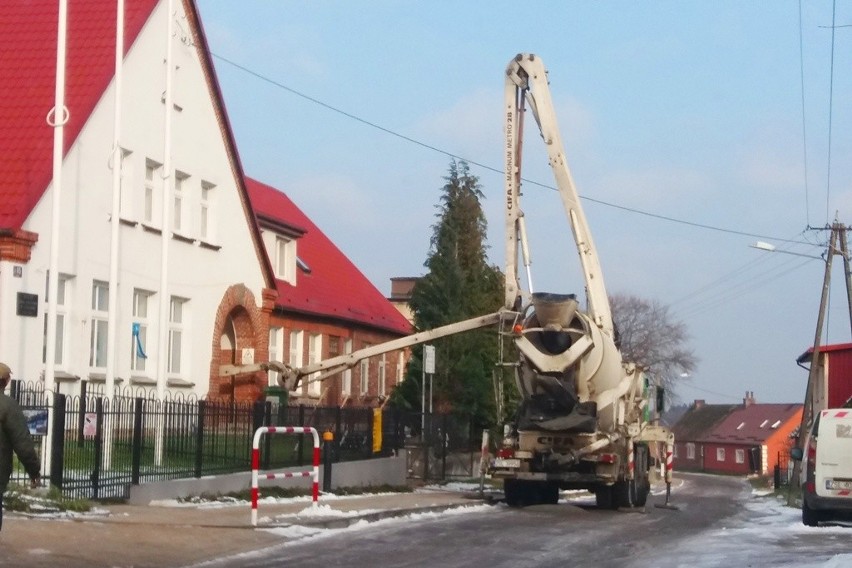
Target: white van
827,468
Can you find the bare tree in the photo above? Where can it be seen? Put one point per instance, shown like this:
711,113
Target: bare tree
648,336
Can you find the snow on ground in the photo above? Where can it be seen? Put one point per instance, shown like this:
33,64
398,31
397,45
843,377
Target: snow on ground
766,533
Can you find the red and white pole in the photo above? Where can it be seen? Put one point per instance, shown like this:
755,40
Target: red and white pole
255,463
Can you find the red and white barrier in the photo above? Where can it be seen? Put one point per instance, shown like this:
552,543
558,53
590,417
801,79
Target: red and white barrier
255,463
669,462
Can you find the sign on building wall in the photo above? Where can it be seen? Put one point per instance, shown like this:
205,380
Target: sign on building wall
27,305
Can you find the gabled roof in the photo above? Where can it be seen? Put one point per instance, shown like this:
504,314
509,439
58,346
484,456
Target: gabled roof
753,424
699,420
28,30
334,287
28,37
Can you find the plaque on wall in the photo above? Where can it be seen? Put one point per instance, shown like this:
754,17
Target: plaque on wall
27,304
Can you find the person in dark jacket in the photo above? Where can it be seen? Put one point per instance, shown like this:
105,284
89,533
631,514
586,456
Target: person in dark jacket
14,437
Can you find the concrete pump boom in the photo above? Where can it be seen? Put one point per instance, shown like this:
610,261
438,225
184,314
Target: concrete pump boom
526,85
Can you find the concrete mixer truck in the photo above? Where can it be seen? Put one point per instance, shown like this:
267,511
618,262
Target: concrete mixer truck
581,422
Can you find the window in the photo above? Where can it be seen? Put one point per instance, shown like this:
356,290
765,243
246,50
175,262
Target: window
98,336
720,454
739,456
139,343
276,350
314,356
382,364
690,451
346,387
61,312
400,366
181,183
296,348
153,177
205,223
365,377
285,259
177,327
126,185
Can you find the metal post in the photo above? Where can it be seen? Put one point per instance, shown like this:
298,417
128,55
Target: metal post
199,437
327,450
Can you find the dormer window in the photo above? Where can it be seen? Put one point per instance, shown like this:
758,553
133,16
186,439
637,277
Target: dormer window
285,259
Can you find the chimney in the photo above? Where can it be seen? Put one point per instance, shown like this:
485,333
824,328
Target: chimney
749,399
699,402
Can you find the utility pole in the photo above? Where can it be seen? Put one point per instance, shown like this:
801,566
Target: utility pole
837,244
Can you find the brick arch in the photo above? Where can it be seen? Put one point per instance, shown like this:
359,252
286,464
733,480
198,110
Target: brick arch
240,324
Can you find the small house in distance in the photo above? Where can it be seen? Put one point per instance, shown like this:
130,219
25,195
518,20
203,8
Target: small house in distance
691,430
735,439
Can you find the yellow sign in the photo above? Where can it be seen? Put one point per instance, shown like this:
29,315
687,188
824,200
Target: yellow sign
377,430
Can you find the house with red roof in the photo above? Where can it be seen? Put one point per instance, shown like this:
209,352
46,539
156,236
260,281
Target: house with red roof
165,271
326,307
738,439
691,430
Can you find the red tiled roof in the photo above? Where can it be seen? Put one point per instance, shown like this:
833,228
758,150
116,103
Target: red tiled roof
752,424
808,355
334,287
28,30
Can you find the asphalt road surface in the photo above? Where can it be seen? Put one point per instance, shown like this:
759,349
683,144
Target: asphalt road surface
718,523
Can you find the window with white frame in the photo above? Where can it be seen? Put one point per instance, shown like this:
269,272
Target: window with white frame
346,378
400,366
206,225
296,348
690,451
153,181
382,381
276,351
181,185
365,377
98,322
285,259
177,335
720,454
141,322
61,312
126,209
314,356
739,456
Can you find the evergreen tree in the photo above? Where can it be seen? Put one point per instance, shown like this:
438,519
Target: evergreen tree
459,284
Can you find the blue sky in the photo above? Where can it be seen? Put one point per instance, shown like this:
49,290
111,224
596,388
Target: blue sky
690,113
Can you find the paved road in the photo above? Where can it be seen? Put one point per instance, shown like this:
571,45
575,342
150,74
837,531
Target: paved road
717,525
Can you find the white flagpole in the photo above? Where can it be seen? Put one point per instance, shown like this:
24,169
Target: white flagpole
163,348
57,119
112,318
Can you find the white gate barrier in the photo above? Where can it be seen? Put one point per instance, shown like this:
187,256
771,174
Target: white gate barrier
255,463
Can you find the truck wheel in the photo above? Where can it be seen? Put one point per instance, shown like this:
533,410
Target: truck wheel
642,490
514,492
605,497
549,493
810,517
624,493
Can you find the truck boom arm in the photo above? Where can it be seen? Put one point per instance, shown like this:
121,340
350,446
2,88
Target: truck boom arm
291,377
526,84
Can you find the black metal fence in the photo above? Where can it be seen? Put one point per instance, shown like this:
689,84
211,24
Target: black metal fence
100,446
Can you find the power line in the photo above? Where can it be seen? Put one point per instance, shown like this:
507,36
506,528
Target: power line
484,166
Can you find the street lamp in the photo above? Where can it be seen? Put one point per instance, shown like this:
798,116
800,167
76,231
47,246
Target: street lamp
760,245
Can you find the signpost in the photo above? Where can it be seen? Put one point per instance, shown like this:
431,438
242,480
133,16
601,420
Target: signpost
428,368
